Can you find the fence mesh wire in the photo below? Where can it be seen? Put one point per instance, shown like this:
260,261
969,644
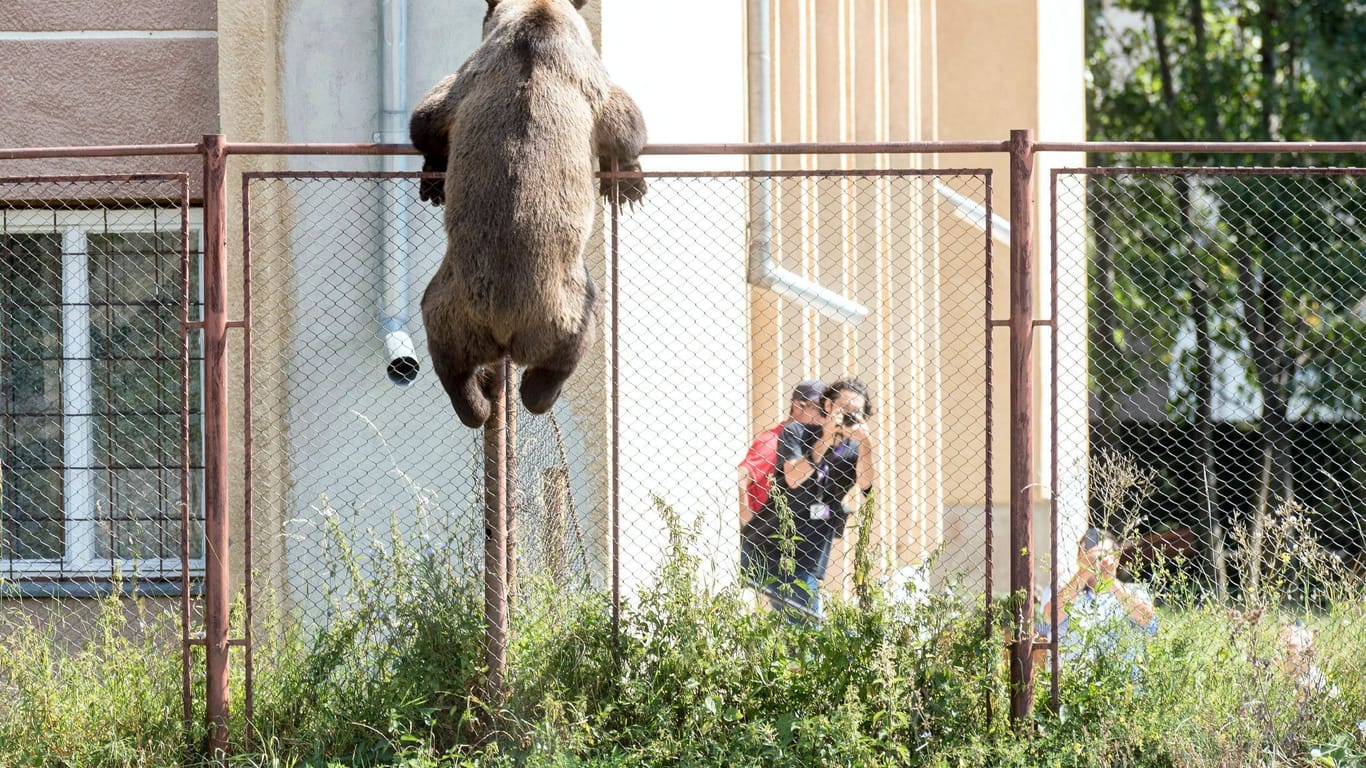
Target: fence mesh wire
723,313
1208,378
369,494
100,471
870,275
91,360
1224,389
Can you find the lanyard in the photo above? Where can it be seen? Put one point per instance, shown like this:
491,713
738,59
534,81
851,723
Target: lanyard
822,470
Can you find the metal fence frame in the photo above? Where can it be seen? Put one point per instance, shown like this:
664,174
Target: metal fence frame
1086,171
1022,149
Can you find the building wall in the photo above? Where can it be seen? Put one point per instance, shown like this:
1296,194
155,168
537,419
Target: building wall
105,72
330,91
852,70
682,352
920,70
863,72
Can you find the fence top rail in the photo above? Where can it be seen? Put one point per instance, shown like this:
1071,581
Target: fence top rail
791,148
38,153
1208,170
830,148
781,174
1207,147
805,148
371,148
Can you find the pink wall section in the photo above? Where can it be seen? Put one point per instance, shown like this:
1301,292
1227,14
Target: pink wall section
47,15
108,91
83,80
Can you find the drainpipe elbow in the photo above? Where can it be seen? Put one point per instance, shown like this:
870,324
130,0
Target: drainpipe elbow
403,366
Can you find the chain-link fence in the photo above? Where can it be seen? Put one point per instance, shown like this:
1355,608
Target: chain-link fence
713,314
1224,383
101,461
869,276
1201,401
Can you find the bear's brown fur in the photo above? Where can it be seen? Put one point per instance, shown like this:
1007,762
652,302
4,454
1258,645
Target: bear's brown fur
516,129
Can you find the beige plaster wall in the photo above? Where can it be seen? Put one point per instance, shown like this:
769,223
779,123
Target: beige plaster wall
908,70
250,93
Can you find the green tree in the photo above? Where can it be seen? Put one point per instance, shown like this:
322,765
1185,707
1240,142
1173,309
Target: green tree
1193,267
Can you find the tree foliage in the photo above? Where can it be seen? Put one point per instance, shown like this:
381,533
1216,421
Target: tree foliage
1204,275
1279,257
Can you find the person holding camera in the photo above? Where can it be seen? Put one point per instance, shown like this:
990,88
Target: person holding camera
1098,613
756,470
818,465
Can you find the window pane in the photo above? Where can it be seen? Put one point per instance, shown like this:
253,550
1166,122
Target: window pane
30,327
33,442
31,495
132,387
134,314
33,387
32,504
141,265
135,516
32,270
136,318
133,441
33,329
196,514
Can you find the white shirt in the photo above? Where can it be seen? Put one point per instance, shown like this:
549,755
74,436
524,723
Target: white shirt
1097,623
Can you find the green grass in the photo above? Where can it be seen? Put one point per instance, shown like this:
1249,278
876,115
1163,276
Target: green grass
698,678
112,700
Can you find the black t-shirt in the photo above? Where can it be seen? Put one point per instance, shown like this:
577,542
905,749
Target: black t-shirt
818,512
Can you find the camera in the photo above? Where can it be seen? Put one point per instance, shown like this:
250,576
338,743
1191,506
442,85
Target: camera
851,419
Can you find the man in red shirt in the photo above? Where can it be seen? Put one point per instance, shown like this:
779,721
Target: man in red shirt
756,470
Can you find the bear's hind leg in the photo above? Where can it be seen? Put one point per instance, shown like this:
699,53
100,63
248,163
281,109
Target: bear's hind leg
470,386
550,365
541,387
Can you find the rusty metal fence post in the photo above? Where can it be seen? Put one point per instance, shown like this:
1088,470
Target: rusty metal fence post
614,346
216,524
496,547
1021,421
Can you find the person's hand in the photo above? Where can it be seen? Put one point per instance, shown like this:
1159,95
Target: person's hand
832,432
860,435
1081,579
1087,570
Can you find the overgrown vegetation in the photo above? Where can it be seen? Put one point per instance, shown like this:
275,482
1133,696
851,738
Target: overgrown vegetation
113,699
701,677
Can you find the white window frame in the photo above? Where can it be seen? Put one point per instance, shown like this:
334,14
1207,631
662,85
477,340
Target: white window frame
78,389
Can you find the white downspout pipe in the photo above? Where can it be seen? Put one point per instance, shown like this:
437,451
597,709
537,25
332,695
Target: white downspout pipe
973,212
400,354
762,271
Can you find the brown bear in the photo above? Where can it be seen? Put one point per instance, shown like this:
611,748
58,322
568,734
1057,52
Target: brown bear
516,129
